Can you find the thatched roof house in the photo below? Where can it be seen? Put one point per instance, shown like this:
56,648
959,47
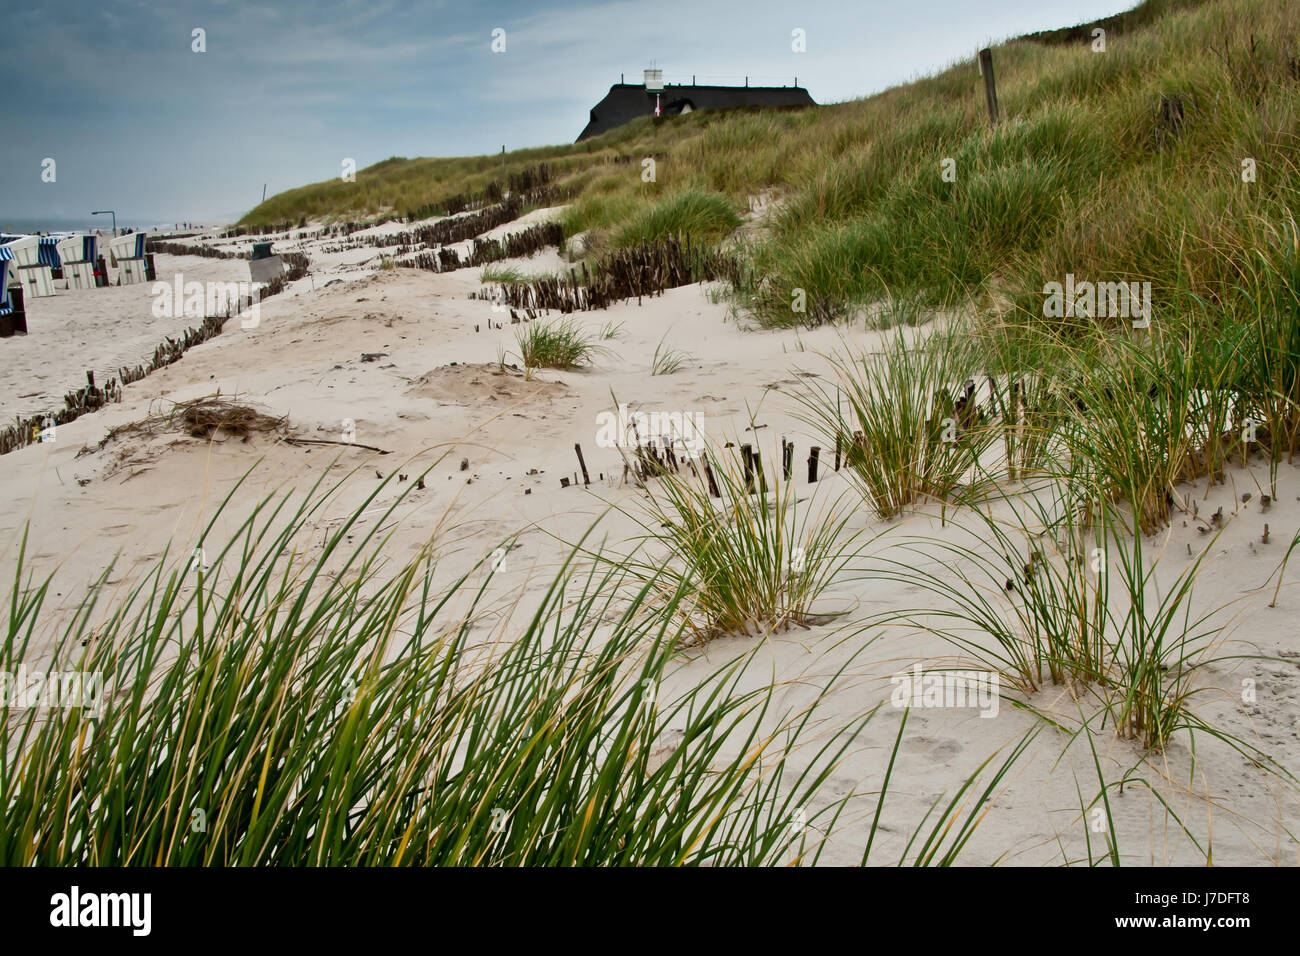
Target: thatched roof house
627,101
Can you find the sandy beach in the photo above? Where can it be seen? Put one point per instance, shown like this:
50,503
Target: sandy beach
730,435
360,357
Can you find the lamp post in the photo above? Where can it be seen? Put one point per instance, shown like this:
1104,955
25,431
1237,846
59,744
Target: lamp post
108,212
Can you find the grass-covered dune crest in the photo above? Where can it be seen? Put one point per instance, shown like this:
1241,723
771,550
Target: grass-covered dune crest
1143,156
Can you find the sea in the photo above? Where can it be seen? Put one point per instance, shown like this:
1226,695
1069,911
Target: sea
23,225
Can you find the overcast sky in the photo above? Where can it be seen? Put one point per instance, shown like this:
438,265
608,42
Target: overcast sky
137,121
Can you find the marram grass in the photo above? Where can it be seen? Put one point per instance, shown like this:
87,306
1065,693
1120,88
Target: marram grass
1071,601
271,709
912,193
898,418
559,343
753,560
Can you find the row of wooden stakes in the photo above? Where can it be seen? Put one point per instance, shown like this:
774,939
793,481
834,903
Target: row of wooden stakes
31,430
91,398
188,249
651,460
646,269
447,231
520,244
526,180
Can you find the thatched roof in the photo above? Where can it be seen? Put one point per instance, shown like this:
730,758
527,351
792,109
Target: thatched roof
627,101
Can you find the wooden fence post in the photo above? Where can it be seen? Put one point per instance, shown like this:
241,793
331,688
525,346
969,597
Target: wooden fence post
713,484
990,86
585,479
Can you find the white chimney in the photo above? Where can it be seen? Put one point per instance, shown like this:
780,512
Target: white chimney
654,81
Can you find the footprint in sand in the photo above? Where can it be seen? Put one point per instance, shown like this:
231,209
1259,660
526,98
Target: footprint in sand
940,749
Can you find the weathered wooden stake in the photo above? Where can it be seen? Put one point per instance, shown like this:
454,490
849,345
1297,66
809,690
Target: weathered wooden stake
713,484
787,458
747,453
990,87
812,463
586,480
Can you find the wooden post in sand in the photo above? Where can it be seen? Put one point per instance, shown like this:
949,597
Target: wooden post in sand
990,87
812,463
747,453
787,458
586,480
713,484
668,451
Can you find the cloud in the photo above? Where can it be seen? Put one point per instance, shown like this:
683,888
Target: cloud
284,86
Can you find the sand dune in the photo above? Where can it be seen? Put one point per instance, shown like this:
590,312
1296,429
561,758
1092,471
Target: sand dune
390,359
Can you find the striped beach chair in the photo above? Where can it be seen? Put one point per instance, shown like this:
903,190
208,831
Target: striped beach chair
13,314
77,257
25,254
48,253
129,254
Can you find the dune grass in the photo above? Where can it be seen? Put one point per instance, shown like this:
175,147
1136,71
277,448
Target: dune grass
1026,401
668,360
700,215
1149,414
911,193
264,707
1264,342
270,711
749,561
503,274
1072,602
899,419
561,344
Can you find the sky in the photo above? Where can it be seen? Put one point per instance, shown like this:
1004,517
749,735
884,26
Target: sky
136,120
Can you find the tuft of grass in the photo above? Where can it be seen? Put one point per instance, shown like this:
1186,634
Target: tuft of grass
318,713
702,216
1150,415
562,344
1025,397
751,561
506,275
668,360
1268,317
906,420
1073,602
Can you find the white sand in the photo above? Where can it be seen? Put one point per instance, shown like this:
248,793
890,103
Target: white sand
303,361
